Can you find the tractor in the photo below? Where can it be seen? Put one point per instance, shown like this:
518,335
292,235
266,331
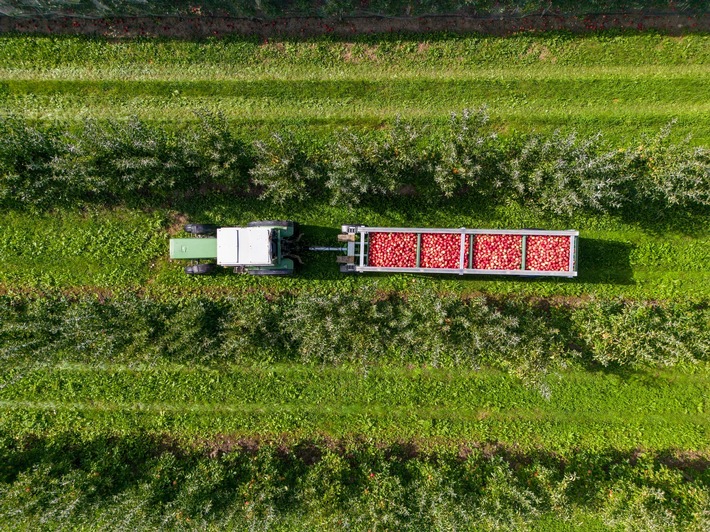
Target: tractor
266,247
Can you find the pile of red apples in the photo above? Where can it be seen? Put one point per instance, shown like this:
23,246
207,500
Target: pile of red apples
490,252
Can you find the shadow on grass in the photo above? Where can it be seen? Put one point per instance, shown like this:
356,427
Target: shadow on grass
644,376
604,261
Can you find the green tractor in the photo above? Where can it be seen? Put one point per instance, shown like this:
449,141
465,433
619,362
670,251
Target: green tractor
261,248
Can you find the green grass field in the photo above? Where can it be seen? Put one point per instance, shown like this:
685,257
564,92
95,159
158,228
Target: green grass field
124,248
152,407
594,411
623,85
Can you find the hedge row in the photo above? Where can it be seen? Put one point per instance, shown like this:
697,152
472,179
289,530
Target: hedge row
422,327
136,162
145,482
299,8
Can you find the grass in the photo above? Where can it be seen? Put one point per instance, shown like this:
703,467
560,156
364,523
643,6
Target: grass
127,248
100,248
608,82
594,411
622,84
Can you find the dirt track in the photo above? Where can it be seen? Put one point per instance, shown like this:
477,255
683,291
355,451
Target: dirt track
202,26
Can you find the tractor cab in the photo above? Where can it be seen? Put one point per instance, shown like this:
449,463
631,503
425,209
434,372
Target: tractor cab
260,248
246,246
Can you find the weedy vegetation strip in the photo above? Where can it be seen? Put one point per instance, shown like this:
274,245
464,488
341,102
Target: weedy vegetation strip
65,57
144,481
328,8
419,327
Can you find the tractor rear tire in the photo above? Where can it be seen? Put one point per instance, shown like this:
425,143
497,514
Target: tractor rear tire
280,272
200,269
201,229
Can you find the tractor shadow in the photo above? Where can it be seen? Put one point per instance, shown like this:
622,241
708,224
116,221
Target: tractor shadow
319,265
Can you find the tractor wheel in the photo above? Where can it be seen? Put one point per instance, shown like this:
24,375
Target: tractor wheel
281,272
201,229
199,269
271,223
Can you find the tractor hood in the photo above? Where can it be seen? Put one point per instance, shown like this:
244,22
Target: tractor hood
244,246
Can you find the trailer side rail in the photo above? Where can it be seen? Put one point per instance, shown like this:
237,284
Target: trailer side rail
358,251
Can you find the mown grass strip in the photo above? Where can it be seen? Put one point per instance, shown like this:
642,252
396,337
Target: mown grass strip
110,248
380,52
687,91
611,82
579,409
522,105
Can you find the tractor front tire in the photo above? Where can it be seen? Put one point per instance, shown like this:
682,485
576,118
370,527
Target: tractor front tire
201,229
280,272
200,269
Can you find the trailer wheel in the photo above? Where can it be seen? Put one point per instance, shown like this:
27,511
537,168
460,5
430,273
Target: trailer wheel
280,272
199,269
201,229
271,223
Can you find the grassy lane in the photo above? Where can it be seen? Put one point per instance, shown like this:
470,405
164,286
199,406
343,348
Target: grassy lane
614,106
574,409
101,248
622,84
124,248
45,54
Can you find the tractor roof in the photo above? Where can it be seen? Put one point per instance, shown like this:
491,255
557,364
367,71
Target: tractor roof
247,246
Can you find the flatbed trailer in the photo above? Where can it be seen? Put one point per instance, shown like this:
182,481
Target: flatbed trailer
520,252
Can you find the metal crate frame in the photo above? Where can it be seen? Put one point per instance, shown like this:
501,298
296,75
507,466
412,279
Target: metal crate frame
358,250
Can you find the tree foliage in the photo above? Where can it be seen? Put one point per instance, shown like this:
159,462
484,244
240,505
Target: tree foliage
137,162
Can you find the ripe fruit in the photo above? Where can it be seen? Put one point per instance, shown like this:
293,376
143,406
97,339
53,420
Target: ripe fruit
547,253
490,252
442,250
498,252
393,250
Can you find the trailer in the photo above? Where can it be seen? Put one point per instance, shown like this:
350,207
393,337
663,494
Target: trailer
521,252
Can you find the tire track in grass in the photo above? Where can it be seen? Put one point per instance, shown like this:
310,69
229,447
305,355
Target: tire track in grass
661,409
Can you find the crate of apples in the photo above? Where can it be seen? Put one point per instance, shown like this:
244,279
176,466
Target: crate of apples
498,252
547,253
393,250
443,250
